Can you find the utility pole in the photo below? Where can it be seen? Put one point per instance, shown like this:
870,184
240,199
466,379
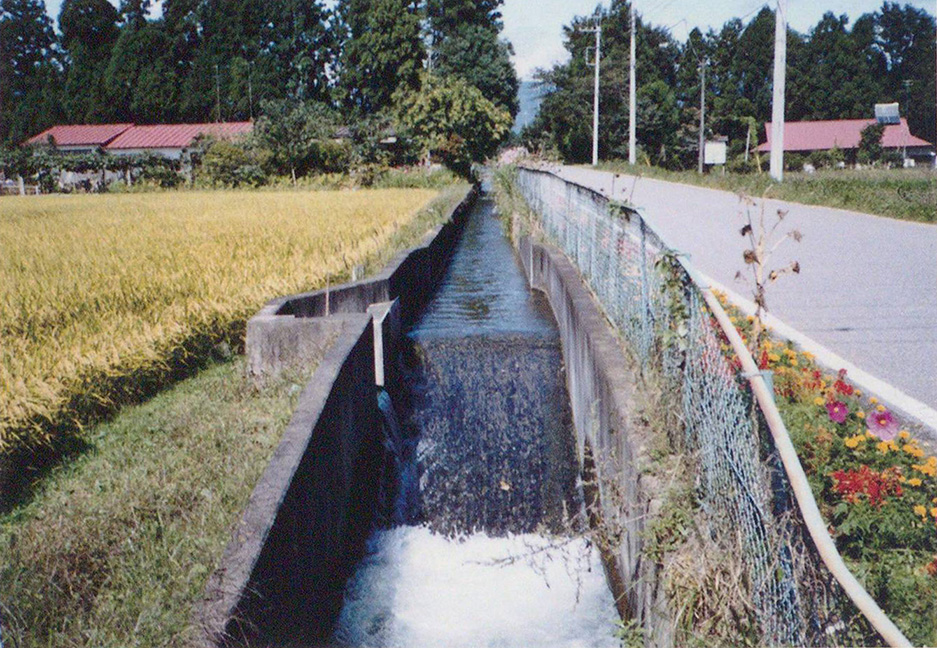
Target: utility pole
217,96
702,113
595,100
632,92
777,106
250,89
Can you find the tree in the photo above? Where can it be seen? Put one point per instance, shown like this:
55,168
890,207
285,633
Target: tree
841,82
452,120
382,52
28,69
292,130
465,43
89,31
870,143
133,13
906,38
142,88
565,117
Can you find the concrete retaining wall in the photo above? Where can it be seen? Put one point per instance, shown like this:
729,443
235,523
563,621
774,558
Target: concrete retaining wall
611,441
304,528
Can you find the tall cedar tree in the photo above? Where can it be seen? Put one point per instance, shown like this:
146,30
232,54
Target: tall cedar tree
465,43
89,30
382,51
28,69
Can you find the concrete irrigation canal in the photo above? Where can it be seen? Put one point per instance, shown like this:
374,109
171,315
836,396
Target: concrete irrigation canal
429,490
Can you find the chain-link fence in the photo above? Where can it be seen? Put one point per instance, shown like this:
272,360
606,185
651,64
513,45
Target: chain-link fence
659,310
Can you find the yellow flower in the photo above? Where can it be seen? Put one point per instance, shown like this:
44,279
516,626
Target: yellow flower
860,414
858,393
793,362
908,448
920,510
933,512
882,447
869,434
880,408
915,481
851,442
904,434
774,357
808,355
873,400
819,401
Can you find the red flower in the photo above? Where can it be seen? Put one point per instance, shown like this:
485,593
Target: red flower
851,484
842,387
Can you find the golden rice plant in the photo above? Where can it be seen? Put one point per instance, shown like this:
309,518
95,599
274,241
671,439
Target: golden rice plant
102,297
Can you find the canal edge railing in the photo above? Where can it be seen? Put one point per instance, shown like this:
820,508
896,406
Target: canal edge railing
618,254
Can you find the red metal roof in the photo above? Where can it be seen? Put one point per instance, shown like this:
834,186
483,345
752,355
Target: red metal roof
843,133
176,135
83,135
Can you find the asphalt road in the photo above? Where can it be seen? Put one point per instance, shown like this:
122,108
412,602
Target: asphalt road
867,288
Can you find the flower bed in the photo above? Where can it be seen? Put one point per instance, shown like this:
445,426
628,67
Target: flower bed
874,482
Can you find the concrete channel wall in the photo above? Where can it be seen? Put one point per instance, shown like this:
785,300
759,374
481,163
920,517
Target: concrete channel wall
612,442
281,577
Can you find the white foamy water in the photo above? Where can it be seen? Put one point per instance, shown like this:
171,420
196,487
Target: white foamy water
417,589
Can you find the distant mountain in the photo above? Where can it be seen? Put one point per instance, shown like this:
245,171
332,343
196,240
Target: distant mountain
530,94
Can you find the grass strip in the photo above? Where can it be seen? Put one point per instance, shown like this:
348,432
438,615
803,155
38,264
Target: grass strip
116,547
904,194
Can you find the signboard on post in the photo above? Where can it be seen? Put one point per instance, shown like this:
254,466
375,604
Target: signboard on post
715,152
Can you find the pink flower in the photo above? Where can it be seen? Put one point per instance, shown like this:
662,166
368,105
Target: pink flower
837,411
883,425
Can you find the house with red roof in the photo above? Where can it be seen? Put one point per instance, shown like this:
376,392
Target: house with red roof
79,138
169,140
844,134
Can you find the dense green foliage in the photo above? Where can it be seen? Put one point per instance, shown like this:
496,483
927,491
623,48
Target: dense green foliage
322,80
226,60
834,72
465,43
452,120
381,52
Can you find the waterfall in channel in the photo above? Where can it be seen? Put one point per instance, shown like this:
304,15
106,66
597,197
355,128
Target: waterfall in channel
483,542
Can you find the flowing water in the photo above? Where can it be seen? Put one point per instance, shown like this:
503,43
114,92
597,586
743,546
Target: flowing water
483,545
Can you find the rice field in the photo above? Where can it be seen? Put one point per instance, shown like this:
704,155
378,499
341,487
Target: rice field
103,297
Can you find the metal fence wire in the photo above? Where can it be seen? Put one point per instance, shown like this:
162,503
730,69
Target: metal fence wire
663,316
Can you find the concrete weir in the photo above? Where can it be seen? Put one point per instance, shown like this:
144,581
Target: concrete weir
306,525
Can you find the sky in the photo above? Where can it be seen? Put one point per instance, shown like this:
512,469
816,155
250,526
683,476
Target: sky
535,27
